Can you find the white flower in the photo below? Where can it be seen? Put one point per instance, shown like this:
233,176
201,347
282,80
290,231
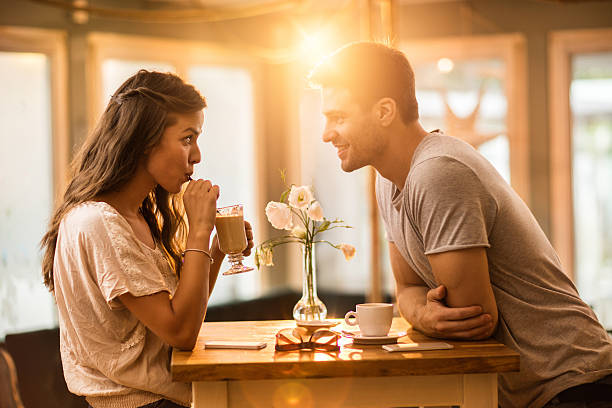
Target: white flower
266,257
298,232
315,211
300,197
348,251
279,215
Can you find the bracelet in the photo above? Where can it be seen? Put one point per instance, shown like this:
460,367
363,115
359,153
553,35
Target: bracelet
212,261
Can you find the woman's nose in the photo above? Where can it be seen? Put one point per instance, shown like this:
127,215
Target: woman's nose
195,156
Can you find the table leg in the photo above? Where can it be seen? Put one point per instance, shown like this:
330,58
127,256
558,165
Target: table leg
212,394
479,391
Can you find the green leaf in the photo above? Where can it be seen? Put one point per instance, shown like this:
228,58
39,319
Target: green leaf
324,226
257,258
283,197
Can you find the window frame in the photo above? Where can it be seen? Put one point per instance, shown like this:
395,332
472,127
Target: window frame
511,48
563,44
52,43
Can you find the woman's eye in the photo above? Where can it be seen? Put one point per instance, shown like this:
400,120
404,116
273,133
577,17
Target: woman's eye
188,139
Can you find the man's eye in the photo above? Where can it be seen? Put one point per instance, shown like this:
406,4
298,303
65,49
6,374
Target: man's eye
188,139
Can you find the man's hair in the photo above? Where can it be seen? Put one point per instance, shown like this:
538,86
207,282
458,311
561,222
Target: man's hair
370,71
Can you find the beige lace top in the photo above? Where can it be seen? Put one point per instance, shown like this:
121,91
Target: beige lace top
108,355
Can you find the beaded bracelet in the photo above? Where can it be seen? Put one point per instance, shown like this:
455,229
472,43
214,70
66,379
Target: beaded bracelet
212,261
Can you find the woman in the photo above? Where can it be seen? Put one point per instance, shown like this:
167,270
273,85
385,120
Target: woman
129,277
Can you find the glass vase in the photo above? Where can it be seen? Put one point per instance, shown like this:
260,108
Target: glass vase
309,307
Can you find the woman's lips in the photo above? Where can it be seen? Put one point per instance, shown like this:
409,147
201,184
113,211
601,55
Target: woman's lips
342,152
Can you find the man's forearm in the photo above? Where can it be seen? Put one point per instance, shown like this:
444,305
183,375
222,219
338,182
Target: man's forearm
426,310
410,301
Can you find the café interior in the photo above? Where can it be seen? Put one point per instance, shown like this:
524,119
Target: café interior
526,82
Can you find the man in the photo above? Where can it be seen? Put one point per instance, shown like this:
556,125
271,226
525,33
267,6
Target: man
469,259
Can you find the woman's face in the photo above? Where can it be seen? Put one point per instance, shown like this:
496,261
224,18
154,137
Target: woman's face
170,163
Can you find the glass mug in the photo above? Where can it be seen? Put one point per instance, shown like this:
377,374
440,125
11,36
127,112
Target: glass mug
232,237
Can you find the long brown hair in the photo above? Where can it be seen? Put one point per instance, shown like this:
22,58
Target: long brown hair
132,123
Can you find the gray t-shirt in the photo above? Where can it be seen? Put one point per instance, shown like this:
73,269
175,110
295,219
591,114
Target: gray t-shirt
452,199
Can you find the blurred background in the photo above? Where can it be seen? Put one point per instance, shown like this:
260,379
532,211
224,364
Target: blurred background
527,82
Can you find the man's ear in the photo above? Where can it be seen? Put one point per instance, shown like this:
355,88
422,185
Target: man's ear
385,110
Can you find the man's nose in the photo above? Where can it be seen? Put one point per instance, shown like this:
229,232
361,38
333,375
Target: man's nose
329,135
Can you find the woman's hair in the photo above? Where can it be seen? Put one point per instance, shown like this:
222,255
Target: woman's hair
132,123
370,71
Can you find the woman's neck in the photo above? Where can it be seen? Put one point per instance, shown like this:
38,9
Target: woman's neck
128,199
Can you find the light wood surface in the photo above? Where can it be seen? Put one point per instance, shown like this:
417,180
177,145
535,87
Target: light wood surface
351,361
475,390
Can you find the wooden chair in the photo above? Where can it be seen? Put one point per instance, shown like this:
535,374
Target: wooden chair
39,367
9,389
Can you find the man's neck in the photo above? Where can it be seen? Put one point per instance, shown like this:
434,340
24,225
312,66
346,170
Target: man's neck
394,163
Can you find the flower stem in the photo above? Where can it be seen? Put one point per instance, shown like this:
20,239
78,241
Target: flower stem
309,278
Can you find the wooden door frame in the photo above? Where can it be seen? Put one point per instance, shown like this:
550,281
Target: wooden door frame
562,45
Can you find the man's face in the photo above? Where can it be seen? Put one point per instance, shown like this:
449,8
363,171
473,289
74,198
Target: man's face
351,130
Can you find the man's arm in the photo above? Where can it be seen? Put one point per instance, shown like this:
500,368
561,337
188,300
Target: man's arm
465,274
426,311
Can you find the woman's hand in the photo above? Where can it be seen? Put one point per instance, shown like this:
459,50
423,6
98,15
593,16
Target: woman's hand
200,201
249,235
248,231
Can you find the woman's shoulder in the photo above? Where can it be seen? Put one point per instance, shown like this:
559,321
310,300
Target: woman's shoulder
90,216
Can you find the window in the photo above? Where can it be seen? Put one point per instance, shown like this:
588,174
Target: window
33,161
581,161
229,139
474,89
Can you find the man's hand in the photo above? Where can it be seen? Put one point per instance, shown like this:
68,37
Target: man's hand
438,320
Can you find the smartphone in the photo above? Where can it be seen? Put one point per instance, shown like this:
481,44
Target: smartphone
228,344
417,346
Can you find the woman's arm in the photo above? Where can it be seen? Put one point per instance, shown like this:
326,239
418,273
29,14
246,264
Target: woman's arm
177,320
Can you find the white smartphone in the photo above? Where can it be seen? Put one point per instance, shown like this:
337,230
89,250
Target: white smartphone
228,344
417,346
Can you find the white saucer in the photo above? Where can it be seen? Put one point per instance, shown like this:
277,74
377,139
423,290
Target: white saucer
388,339
315,324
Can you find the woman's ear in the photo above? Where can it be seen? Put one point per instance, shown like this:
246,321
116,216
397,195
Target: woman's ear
385,110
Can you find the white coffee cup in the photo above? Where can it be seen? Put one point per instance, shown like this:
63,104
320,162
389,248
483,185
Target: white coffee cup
374,319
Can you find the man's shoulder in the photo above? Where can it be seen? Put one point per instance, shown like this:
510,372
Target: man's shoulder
384,187
441,145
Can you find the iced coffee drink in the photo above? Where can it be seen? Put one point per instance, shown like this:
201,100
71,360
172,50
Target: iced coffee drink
230,230
232,237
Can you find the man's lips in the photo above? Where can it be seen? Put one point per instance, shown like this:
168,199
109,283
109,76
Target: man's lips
342,151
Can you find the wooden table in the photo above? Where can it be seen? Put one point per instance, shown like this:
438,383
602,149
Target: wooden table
356,376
